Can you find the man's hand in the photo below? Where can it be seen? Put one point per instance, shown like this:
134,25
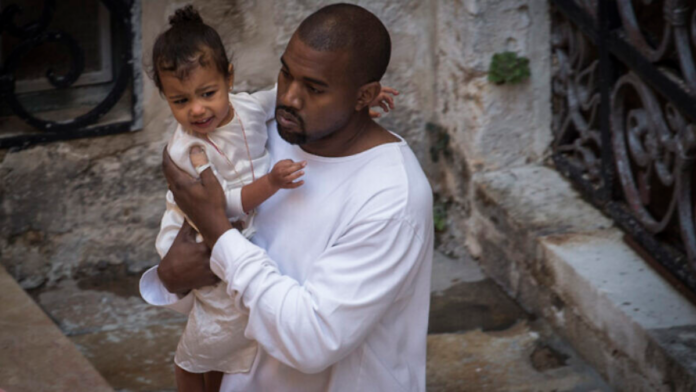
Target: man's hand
187,264
383,100
201,199
284,174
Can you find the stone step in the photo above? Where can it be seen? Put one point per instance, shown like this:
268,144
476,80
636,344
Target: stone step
562,259
34,353
481,340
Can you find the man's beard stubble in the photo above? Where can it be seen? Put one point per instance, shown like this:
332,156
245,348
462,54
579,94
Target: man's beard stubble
298,138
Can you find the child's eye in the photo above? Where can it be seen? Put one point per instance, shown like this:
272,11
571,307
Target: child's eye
209,94
180,101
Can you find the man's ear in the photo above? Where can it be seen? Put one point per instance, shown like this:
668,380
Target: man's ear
230,80
366,94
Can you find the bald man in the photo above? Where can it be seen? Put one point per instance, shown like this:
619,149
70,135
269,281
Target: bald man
336,280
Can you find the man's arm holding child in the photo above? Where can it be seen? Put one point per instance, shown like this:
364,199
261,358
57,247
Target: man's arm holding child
311,325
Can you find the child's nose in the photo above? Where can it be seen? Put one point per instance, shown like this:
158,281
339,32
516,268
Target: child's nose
197,109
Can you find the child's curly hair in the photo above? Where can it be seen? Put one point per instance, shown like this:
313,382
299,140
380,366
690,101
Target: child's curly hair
186,44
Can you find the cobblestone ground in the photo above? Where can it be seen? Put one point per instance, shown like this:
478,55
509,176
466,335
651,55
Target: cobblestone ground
479,339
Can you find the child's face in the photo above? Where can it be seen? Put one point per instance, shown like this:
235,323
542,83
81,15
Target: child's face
199,102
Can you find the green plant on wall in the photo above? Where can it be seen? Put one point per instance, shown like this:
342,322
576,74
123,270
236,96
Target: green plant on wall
439,216
508,68
440,143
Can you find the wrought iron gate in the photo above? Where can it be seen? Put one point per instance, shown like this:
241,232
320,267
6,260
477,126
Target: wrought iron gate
120,89
624,102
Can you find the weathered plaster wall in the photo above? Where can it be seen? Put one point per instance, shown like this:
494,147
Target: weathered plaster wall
93,205
490,127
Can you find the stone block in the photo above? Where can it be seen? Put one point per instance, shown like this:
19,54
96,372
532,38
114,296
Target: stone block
34,354
563,260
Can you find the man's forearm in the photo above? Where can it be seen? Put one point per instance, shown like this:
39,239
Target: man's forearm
309,326
213,229
171,280
186,265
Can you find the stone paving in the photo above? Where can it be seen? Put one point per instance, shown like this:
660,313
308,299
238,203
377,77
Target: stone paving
479,339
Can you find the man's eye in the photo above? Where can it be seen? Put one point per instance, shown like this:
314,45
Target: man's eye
313,90
285,73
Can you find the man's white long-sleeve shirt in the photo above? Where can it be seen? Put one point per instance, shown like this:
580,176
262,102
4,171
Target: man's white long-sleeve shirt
337,279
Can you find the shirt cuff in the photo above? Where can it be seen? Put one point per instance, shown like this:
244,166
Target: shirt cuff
235,210
227,253
153,292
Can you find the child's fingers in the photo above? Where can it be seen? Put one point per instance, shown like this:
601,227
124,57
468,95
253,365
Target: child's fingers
294,185
389,99
293,168
390,90
384,106
294,176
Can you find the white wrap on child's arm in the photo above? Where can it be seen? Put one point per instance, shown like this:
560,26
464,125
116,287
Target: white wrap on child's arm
234,210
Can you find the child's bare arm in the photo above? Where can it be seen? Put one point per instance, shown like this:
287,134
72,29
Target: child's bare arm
282,176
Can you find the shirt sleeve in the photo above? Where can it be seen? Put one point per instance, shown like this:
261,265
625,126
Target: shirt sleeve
235,210
151,288
311,326
172,220
267,100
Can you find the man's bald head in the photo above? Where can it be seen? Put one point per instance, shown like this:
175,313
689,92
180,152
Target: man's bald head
349,27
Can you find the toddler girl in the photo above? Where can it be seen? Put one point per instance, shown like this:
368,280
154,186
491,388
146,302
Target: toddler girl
192,71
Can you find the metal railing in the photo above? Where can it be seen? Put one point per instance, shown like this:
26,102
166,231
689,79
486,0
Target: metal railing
624,119
124,17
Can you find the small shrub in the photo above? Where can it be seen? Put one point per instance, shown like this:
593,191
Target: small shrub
439,216
508,68
440,145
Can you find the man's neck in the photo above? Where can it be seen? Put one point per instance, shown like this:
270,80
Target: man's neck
357,136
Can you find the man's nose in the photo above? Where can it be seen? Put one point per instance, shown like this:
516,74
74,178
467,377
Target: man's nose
293,96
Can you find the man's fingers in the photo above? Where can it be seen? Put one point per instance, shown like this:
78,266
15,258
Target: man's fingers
172,173
198,156
384,106
187,232
208,177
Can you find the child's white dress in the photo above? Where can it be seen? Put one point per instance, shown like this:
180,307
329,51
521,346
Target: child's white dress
214,336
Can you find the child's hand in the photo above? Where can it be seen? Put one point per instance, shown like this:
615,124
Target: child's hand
285,172
384,100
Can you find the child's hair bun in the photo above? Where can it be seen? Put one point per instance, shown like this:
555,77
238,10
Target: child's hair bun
186,14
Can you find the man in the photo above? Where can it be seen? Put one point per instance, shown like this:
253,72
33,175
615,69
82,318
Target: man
338,300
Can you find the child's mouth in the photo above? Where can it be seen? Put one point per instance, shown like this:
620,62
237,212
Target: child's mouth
202,124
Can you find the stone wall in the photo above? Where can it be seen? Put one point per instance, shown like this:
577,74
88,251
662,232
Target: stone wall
92,206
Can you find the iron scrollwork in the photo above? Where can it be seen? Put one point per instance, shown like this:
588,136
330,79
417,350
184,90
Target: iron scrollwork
36,33
676,29
576,99
637,95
